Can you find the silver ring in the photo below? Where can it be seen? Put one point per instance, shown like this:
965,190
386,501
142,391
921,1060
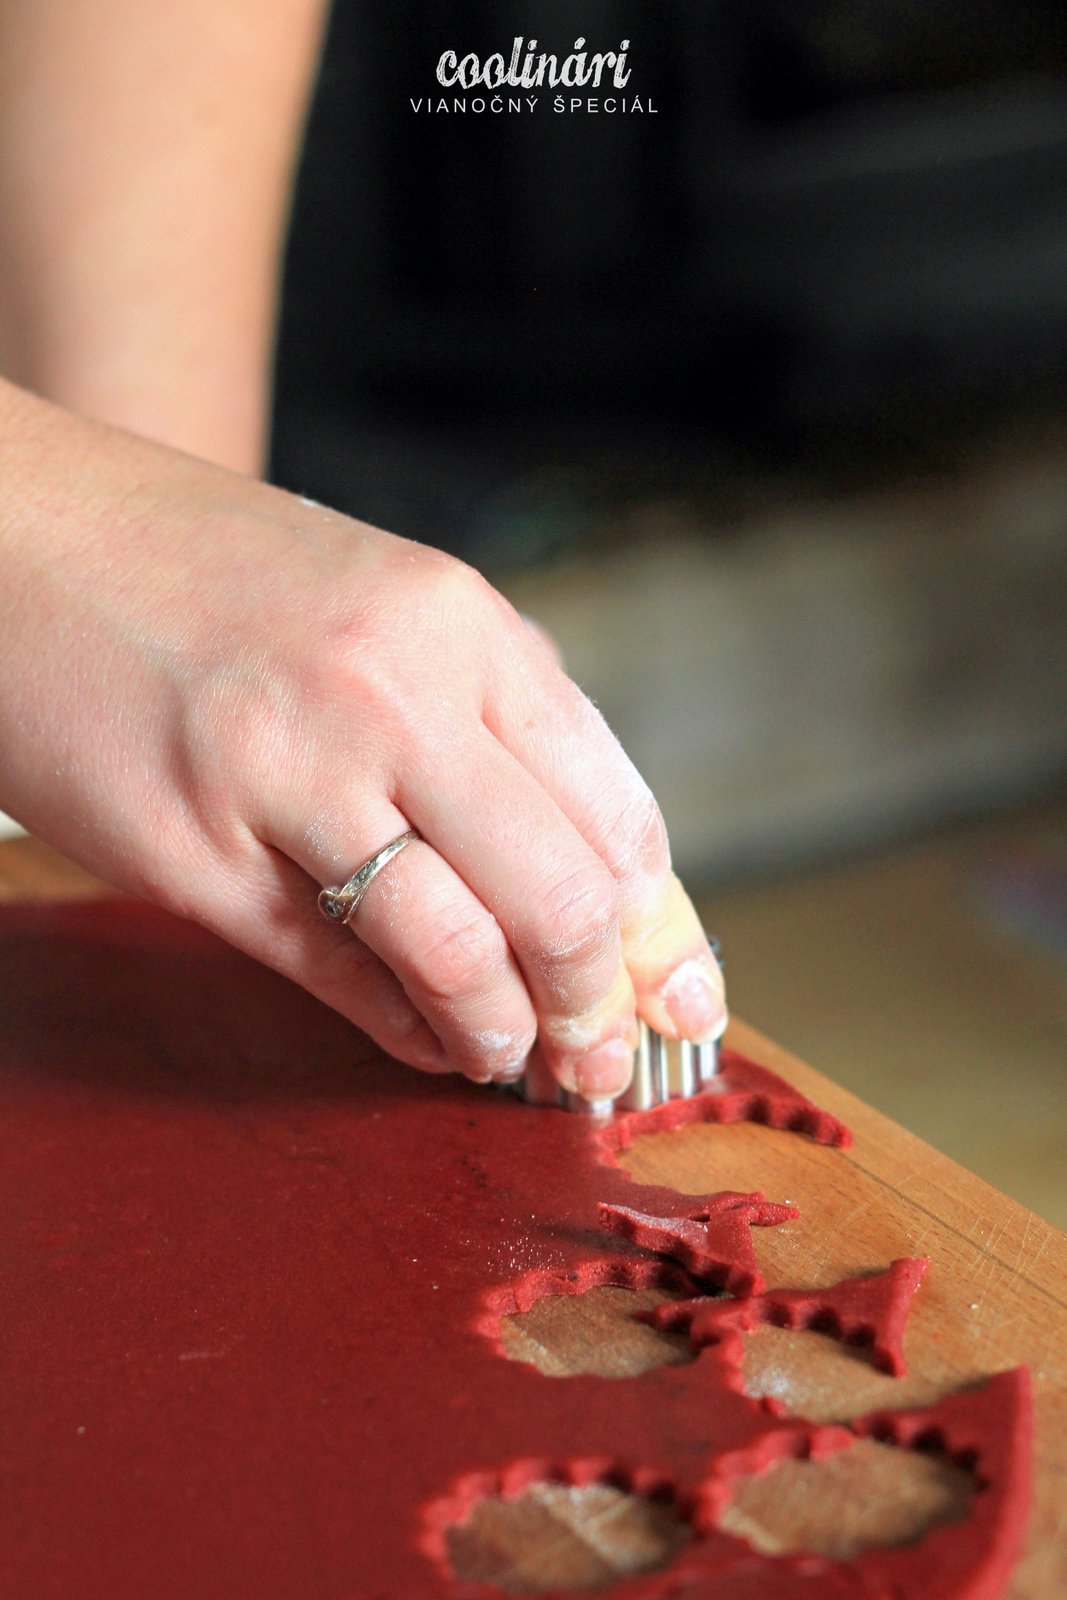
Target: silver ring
338,904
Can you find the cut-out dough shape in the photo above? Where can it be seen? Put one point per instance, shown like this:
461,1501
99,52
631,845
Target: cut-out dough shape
870,1312
743,1091
252,1281
711,1241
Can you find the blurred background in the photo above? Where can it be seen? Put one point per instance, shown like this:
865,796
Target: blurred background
758,402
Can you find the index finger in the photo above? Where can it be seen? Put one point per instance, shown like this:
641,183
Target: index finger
563,741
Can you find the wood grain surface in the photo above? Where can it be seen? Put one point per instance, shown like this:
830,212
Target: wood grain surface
995,1297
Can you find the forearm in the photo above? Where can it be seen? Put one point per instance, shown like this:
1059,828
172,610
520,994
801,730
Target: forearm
146,157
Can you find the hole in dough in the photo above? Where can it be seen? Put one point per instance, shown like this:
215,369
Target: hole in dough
553,1536
705,1156
866,1496
819,1378
594,1332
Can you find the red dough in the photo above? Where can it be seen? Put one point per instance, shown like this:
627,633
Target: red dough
991,1431
742,1092
251,1278
711,1241
868,1311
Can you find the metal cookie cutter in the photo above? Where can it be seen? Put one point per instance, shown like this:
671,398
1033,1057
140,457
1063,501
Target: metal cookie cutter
664,1069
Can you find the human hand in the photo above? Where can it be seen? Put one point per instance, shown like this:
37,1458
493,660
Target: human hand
222,697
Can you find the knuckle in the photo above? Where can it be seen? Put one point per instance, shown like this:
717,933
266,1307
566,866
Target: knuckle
631,837
579,917
440,579
453,590
461,957
642,836
493,1051
379,644
328,671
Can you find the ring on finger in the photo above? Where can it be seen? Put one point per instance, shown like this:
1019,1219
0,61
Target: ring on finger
338,902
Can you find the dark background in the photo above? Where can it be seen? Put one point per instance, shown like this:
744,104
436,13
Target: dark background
841,238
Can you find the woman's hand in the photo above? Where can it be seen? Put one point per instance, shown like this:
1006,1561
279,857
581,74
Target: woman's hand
223,697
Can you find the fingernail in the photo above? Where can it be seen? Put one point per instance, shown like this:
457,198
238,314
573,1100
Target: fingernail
604,1071
600,1108
512,1072
694,998
432,1061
